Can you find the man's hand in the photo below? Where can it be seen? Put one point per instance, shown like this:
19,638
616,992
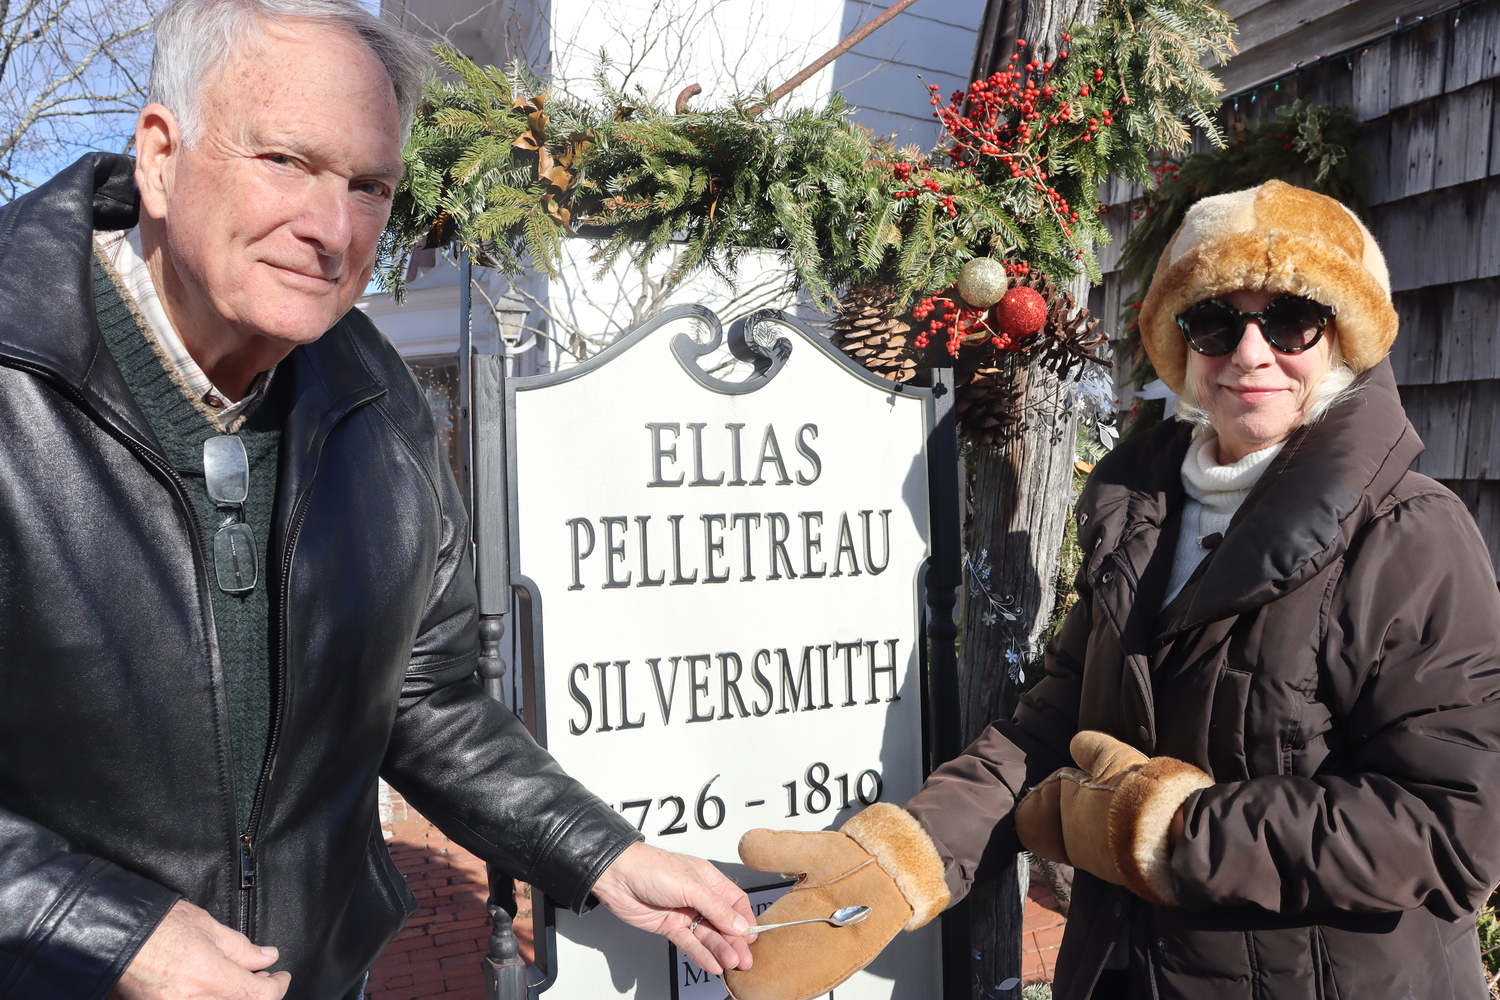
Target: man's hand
667,893
191,956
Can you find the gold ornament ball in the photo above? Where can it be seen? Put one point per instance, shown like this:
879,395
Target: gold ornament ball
982,282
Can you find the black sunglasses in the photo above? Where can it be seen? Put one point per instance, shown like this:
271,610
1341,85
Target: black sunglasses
226,469
1290,323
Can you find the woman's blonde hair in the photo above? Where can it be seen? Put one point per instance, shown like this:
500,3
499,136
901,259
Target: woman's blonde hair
1336,385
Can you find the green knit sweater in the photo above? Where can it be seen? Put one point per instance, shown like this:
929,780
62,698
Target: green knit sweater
241,621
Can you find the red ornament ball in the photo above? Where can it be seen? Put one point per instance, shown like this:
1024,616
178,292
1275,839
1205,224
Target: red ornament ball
1021,312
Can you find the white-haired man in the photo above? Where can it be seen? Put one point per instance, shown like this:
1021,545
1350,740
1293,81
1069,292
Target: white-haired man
234,584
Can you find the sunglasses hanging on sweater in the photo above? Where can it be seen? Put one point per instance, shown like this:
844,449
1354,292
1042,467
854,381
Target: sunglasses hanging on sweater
1290,323
226,470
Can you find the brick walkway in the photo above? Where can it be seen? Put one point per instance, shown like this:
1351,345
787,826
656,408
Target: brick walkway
1043,934
439,953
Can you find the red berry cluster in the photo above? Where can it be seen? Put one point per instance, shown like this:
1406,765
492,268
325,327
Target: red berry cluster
1021,120
1009,115
1105,119
947,315
927,185
1165,172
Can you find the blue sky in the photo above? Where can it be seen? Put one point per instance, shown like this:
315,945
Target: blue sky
109,132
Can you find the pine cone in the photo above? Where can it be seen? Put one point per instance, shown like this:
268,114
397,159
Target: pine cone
867,329
987,401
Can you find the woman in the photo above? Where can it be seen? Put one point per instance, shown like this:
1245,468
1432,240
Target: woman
1269,733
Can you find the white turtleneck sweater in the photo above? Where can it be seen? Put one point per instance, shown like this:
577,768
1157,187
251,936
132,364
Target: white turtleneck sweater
1214,493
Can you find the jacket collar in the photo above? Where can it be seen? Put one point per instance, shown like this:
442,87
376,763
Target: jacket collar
328,378
47,307
47,295
1131,494
1306,508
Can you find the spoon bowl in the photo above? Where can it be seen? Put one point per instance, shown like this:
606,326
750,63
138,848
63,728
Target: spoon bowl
849,915
841,917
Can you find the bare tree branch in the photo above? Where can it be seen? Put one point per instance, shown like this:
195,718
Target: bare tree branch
44,98
582,316
72,76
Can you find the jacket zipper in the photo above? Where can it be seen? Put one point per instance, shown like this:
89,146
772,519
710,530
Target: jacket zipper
247,861
248,878
246,843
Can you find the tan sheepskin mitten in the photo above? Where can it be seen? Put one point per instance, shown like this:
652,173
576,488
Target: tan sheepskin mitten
1110,815
880,858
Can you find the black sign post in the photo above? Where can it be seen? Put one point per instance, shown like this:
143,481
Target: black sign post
481,428
944,577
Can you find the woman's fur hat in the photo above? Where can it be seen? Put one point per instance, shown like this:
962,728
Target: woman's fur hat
1275,238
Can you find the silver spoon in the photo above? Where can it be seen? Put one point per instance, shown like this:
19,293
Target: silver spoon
841,918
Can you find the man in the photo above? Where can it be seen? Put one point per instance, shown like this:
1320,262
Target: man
234,578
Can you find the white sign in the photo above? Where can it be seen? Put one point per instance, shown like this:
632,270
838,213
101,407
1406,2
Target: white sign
727,580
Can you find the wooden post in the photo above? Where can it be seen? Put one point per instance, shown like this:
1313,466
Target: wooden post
1019,507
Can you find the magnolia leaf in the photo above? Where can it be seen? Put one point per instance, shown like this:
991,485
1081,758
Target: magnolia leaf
558,178
557,210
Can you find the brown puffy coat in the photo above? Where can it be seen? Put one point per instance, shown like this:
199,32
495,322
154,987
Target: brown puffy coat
1334,664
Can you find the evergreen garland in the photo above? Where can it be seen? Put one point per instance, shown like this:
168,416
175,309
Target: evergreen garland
495,166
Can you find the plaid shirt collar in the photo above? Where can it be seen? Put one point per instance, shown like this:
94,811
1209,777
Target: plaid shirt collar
122,251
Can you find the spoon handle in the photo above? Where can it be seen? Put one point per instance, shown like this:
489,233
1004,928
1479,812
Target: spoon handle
793,923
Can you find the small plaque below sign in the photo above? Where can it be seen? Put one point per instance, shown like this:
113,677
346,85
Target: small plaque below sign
690,982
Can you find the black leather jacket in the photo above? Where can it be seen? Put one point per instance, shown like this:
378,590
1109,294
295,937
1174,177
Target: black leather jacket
115,773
